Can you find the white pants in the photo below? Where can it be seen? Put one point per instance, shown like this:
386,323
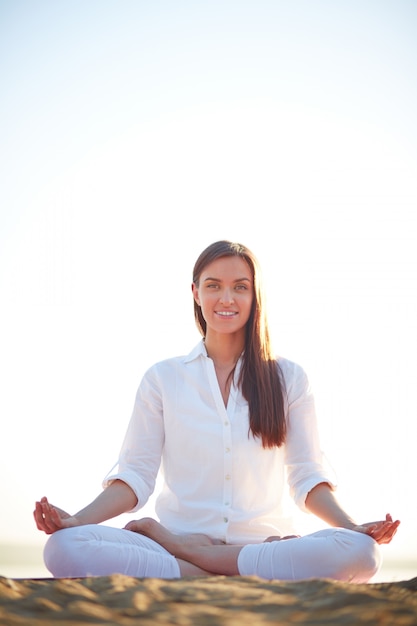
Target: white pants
331,553
96,550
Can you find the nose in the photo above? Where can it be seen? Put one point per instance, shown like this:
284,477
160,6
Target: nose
226,296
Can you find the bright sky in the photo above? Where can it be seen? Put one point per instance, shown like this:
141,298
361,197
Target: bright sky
133,134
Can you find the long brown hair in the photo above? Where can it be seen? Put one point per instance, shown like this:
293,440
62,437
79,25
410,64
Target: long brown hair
260,377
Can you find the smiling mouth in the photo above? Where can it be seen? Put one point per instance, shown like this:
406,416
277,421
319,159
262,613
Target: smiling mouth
226,313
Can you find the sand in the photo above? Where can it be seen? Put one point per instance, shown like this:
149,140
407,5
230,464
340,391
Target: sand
237,601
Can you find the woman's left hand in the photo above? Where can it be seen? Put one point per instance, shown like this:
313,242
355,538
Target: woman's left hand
382,531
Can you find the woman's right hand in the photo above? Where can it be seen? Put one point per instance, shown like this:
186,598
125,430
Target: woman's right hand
50,518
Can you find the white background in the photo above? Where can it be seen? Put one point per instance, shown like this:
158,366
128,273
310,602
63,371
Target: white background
133,134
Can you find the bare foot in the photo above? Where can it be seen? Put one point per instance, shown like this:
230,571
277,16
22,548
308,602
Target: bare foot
178,545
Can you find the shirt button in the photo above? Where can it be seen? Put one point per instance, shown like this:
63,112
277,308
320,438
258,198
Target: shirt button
225,519
227,449
228,477
226,423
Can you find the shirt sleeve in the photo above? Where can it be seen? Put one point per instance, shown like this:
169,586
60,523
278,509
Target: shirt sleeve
141,451
303,455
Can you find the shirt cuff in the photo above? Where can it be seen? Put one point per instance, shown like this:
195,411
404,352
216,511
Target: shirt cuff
301,494
132,480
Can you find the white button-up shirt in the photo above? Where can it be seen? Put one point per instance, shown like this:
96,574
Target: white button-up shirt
217,478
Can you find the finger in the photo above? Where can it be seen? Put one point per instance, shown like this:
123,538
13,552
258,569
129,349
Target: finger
55,516
391,532
370,530
46,517
381,531
49,523
40,518
291,537
272,538
37,514
386,534
385,539
132,526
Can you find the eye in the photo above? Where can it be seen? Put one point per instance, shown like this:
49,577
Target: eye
212,286
241,287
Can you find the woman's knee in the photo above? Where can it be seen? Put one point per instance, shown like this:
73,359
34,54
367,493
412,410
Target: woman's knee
363,556
62,553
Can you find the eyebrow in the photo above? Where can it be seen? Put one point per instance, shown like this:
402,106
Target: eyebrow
218,280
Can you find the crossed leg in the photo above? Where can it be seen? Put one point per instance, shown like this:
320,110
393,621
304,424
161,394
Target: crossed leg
191,551
335,553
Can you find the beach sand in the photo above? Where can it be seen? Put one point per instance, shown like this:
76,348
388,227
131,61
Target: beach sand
212,601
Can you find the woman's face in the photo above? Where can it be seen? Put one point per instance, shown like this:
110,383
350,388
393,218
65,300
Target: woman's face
225,294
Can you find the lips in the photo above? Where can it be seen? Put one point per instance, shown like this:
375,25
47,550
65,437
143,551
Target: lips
226,313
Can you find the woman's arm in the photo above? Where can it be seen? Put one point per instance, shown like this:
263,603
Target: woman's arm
322,502
117,498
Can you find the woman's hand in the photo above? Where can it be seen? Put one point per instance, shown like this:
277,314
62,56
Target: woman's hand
382,532
50,518
117,498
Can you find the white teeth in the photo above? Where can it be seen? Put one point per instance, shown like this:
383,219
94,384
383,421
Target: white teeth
226,313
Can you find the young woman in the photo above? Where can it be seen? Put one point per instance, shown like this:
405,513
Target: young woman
230,424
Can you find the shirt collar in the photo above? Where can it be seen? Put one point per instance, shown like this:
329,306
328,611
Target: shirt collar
196,352
200,351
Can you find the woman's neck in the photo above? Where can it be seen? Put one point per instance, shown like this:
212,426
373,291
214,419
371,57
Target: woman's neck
224,349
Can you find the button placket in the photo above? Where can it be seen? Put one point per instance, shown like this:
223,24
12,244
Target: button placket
225,415
228,475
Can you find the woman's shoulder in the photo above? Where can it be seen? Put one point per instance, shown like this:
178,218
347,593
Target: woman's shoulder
289,367
166,364
174,362
294,376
